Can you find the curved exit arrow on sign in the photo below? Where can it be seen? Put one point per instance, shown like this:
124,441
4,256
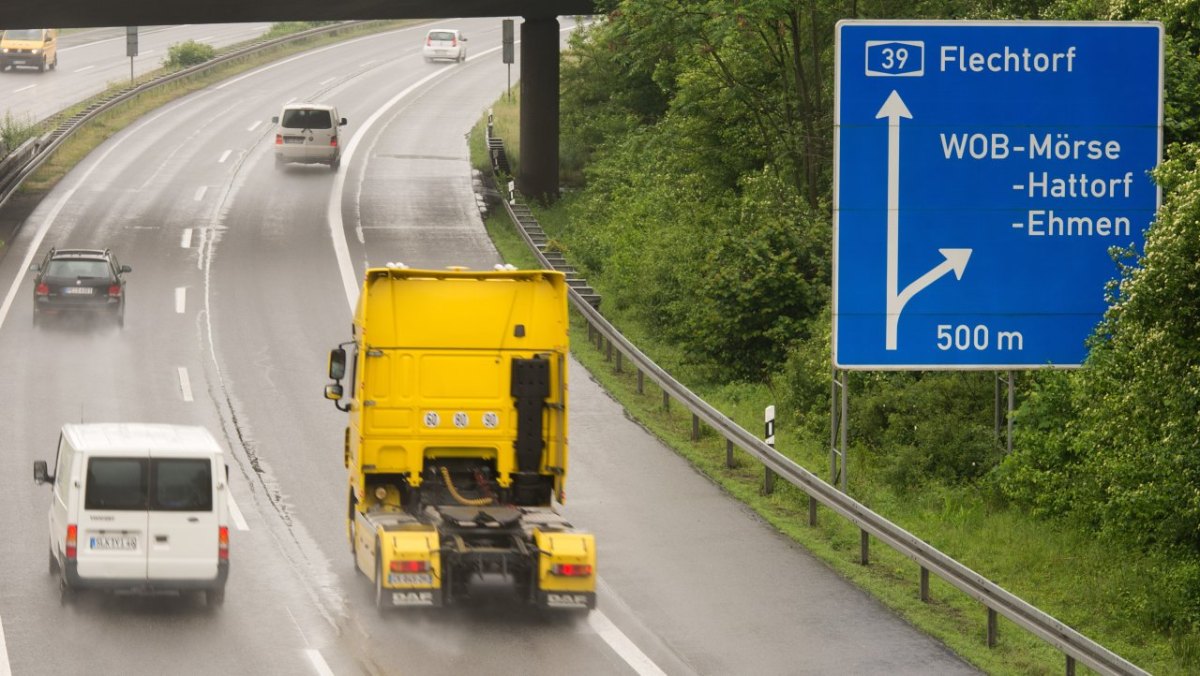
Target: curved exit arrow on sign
956,259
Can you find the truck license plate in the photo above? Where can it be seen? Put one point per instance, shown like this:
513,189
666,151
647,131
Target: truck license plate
410,579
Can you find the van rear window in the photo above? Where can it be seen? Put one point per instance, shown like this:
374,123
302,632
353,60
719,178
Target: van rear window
116,483
26,34
182,485
306,118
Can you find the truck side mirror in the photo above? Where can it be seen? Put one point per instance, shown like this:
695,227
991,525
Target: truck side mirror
337,365
40,473
333,392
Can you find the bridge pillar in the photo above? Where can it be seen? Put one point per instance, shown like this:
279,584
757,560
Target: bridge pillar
539,108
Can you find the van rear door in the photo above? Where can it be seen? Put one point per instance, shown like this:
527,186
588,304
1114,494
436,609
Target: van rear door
183,517
112,522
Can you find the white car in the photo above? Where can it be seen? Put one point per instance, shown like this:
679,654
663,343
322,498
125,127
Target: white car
138,507
445,43
308,133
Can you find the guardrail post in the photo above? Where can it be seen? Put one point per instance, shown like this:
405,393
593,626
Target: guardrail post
924,584
729,453
812,511
641,382
695,427
591,333
864,547
993,630
619,355
608,350
1070,666
666,401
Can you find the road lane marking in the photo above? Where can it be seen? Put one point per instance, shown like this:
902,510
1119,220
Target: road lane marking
318,662
200,192
366,63
291,100
205,38
18,91
84,68
180,299
186,241
185,385
622,646
224,156
235,513
5,667
254,126
325,82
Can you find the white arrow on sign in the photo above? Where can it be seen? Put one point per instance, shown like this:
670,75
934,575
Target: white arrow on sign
956,259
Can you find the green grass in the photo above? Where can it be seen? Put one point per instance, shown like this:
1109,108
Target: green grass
1066,573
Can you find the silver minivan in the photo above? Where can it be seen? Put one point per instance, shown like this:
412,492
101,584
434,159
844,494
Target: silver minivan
138,507
308,133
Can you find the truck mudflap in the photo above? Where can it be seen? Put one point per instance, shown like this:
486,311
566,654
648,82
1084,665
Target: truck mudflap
409,563
566,574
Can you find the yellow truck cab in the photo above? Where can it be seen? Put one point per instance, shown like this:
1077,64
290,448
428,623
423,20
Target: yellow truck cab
31,47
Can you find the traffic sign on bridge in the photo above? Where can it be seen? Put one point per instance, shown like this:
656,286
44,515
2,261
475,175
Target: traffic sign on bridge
983,171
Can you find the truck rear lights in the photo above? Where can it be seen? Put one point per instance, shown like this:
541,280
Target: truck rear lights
223,543
72,540
571,569
42,289
409,566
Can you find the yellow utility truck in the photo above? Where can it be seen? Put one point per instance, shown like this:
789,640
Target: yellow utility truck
456,447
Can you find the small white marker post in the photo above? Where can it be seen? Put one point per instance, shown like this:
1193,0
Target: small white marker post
512,192
769,433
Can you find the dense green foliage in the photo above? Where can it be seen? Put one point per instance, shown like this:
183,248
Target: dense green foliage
697,135
190,53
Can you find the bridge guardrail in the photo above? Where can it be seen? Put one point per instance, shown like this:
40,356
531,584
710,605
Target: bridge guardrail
1074,645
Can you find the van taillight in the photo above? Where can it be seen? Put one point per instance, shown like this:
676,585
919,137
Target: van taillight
279,139
453,42
72,540
333,141
223,543
42,289
429,41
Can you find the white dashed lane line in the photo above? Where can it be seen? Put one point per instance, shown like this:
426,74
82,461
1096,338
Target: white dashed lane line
224,156
185,385
325,82
5,668
186,241
25,88
254,126
200,192
80,70
180,299
318,662
235,513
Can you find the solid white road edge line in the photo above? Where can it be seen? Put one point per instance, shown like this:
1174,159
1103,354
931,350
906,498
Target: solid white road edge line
186,240
626,649
622,646
180,299
5,667
235,512
185,385
318,662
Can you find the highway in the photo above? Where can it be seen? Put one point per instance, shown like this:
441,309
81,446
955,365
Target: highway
238,292
91,59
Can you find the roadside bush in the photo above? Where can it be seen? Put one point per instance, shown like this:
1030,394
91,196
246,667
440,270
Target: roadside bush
14,131
186,54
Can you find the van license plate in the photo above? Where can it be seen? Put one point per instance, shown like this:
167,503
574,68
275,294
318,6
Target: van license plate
114,543
293,139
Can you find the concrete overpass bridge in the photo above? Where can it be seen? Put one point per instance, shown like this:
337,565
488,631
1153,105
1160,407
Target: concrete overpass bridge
539,35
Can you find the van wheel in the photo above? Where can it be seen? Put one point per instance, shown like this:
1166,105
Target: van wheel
53,563
37,317
214,598
42,65
381,603
119,315
278,162
54,63
334,165
66,593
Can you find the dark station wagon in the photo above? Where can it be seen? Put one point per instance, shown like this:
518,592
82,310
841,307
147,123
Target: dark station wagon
79,279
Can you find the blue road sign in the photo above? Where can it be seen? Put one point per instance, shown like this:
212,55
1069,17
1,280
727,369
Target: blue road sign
983,171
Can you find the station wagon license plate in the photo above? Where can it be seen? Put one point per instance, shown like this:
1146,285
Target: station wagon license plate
78,290
424,579
114,542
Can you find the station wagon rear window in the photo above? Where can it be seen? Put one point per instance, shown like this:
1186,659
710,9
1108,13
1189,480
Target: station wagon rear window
306,118
78,268
116,484
441,35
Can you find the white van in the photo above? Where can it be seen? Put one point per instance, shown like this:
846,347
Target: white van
308,133
138,507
